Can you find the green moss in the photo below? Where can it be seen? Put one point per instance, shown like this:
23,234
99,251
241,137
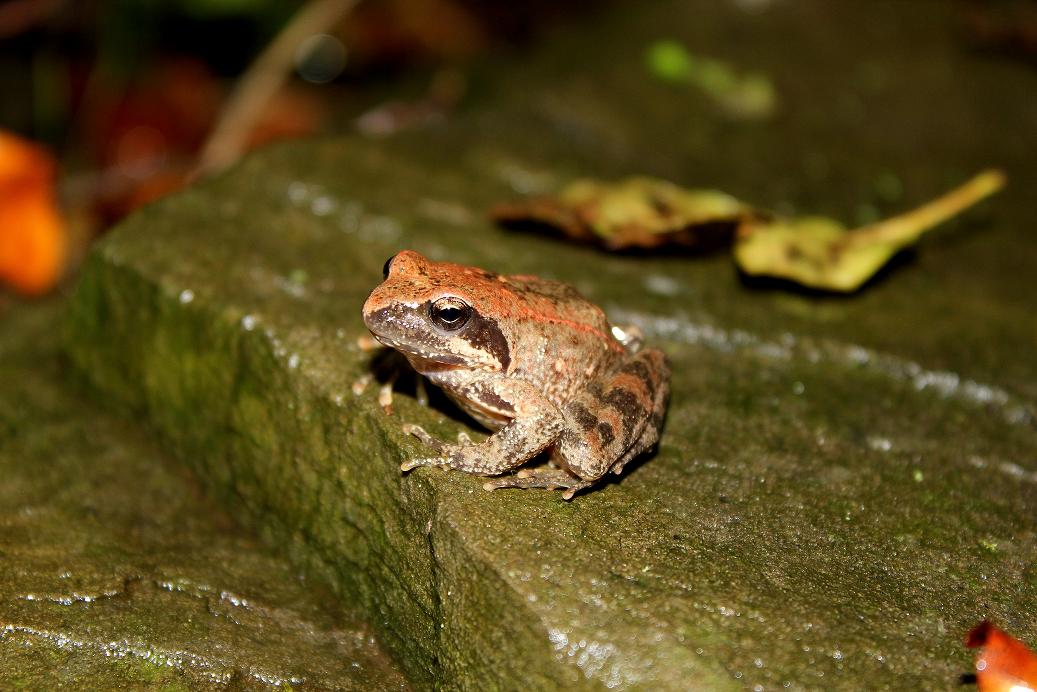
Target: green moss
119,575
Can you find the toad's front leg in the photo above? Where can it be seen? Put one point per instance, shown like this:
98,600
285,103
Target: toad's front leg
535,424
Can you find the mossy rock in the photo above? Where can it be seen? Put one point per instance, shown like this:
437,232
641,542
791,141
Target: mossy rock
843,487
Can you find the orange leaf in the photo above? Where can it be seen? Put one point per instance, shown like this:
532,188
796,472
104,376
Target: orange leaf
1003,664
32,234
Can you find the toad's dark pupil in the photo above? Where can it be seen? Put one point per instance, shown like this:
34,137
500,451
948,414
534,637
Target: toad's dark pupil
449,315
385,269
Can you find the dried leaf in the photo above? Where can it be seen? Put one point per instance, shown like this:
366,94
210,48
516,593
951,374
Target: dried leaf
1003,663
817,252
821,253
32,234
639,212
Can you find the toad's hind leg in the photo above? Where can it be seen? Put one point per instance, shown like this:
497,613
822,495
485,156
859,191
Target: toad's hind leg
650,433
617,418
541,477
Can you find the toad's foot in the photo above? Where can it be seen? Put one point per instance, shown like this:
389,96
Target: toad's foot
463,439
420,391
384,390
438,445
412,464
360,384
385,395
419,432
390,365
554,479
446,451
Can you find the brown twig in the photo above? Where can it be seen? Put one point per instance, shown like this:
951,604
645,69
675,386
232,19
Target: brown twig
261,82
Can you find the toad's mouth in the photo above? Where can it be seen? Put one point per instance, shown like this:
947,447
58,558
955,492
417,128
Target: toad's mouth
420,358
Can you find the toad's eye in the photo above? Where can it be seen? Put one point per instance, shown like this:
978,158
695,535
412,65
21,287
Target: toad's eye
385,268
450,314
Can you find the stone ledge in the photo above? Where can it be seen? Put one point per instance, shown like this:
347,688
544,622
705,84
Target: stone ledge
810,519
118,574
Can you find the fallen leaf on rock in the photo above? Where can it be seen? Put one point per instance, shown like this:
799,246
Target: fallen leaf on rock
1003,663
32,235
821,253
638,212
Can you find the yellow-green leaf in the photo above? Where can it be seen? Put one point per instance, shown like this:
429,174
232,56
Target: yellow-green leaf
821,253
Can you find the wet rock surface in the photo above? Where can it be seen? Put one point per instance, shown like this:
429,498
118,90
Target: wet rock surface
116,573
844,486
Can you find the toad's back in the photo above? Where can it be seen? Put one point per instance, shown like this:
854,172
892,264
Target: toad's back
559,338
554,305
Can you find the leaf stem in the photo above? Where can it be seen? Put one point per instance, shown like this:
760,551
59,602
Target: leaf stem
905,227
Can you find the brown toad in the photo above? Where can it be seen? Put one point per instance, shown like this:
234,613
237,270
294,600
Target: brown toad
530,359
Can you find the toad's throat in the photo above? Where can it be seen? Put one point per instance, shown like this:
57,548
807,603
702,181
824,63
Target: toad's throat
424,361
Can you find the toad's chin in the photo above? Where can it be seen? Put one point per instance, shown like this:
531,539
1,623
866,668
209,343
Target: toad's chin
423,361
